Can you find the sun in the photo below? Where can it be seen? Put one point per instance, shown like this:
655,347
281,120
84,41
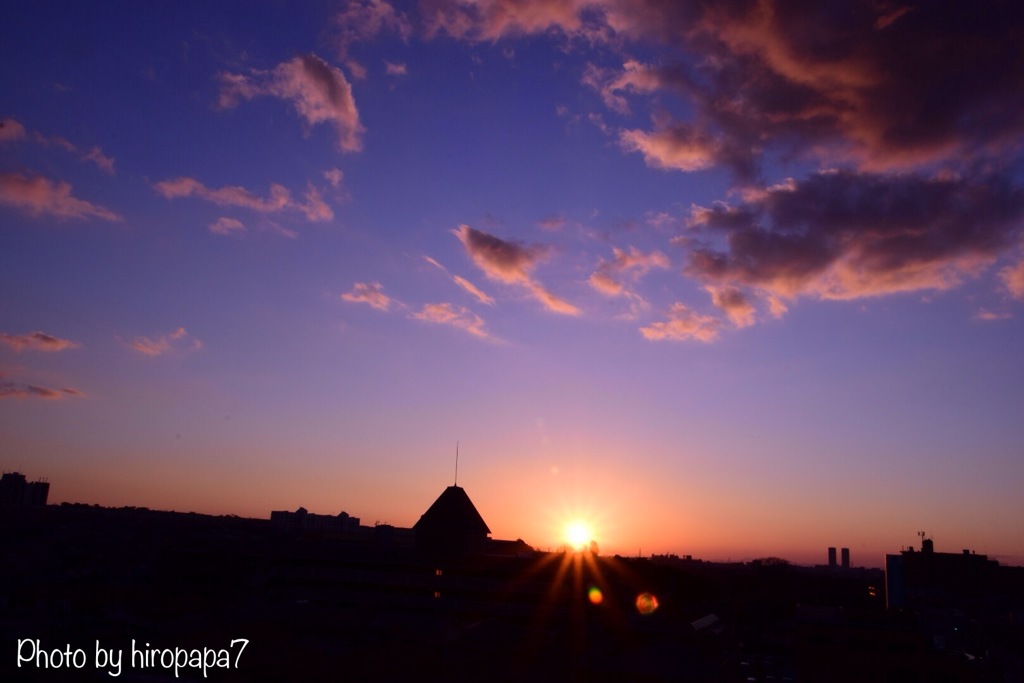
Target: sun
578,534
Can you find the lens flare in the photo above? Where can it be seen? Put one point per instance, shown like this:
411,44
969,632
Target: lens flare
595,595
646,604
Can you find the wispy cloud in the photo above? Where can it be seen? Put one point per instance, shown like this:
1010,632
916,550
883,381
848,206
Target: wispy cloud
634,77
396,69
552,222
314,208
362,20
14,131
368,293
682,324
102,161
633,263
38,196
318,91
18,390
456,316
480,296
462,282
227,226
36,341
511,263
178,340
989,316
334,176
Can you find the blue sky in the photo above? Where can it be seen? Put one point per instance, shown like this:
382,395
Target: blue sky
726,280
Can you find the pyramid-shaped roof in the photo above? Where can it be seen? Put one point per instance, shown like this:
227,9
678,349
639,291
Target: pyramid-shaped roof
452,513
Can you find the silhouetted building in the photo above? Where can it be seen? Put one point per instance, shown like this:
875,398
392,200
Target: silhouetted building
16,490
831,557
451,527
928,579
303,520
845,555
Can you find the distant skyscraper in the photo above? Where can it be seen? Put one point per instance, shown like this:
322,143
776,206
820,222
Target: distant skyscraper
831,556
846,558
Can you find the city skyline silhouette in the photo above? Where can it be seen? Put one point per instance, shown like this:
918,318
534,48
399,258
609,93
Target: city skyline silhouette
722,281
309,595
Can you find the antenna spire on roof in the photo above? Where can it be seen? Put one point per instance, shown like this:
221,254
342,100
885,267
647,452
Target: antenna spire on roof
456,463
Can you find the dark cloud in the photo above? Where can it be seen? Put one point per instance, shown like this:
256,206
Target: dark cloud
511,263
889,86
841,234
499,259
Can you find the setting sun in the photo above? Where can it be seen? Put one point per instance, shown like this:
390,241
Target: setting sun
578,534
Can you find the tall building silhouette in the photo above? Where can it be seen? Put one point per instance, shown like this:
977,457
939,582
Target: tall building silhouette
452,526
16,490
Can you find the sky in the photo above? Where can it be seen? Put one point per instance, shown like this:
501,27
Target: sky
728,279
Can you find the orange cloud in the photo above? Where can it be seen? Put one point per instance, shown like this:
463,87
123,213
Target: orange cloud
178,339
635,77
510,263
1013,277
489,20
365,19
464,283
682,324
734,304
280,198
37,341
38,195
11,130
368,293
456,316
681,147
474,290
318,91
315,208
606,278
